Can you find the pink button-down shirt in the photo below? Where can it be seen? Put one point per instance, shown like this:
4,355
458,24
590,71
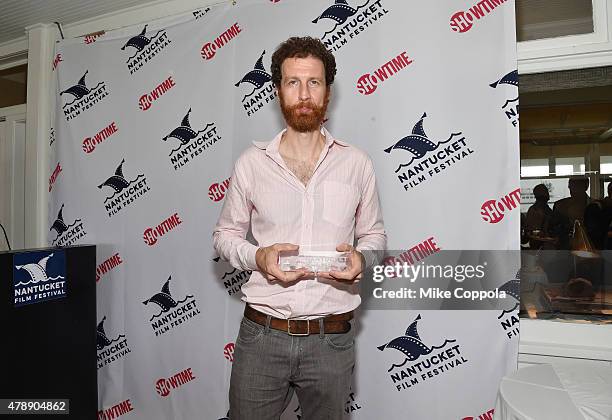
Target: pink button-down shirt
339,204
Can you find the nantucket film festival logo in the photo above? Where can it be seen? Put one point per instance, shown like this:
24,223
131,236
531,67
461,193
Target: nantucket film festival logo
171,313
144,48
39,276
109,350
421,363
66,234
349,22
81,97
122,193
191,144
232,279
509,318
426,157
263,91
511,107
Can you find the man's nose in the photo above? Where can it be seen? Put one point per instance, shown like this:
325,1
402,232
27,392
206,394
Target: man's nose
304,92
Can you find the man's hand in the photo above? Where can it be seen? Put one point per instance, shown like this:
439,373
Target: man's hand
356,266
267,262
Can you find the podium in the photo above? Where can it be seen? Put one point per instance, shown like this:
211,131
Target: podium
48,317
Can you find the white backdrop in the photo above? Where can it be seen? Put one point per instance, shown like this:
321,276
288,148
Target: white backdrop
149,120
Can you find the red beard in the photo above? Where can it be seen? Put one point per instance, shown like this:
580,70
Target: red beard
300,121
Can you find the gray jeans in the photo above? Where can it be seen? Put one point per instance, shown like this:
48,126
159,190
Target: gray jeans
269,365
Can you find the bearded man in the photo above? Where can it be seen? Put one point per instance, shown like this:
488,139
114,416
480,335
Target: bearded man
302,191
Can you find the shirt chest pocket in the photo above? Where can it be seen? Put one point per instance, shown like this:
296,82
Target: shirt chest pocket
340,202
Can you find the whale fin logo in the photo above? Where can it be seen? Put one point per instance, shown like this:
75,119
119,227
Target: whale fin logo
258,76
117,182
410,343
416,142
512,288
37,271
59,225
79,90
339,12
163,299
102,340
139,41
509,79
184,133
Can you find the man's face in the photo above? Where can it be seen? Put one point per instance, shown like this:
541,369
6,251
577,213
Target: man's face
303,93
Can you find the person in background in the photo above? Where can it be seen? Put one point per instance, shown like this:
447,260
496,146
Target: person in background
538,216
567,210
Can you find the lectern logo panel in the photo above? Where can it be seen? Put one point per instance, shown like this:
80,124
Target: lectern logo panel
39,276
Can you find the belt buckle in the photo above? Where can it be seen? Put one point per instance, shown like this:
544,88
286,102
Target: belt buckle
297,334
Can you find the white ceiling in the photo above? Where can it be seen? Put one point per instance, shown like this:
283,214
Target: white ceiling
16,15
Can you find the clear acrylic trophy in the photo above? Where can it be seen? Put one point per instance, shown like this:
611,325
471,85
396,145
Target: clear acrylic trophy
315,261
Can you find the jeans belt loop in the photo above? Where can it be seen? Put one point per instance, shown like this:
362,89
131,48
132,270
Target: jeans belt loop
321,329
268,320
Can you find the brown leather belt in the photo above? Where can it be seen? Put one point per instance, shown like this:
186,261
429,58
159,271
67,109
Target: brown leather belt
333,324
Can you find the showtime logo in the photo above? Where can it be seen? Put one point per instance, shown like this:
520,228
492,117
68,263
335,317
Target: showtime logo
90,143
484,416
210,48
151,235
56,60
463,21
147,99
53,177
228,351
88,39
368,83
108,264
414,254
163,386
216,192
116,410
492,211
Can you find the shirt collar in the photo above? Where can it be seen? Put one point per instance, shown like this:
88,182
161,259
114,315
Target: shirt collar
271,147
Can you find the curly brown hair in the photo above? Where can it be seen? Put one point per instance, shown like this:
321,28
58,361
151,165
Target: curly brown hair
302,47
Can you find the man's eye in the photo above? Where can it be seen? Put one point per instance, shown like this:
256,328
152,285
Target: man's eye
314,82
292,82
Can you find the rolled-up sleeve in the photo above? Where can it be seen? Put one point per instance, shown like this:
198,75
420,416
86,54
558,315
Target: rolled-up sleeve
369,226
229,234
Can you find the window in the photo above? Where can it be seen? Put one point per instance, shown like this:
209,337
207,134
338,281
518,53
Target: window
537,19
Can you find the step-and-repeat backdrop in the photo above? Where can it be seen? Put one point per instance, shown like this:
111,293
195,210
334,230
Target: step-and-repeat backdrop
148,121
